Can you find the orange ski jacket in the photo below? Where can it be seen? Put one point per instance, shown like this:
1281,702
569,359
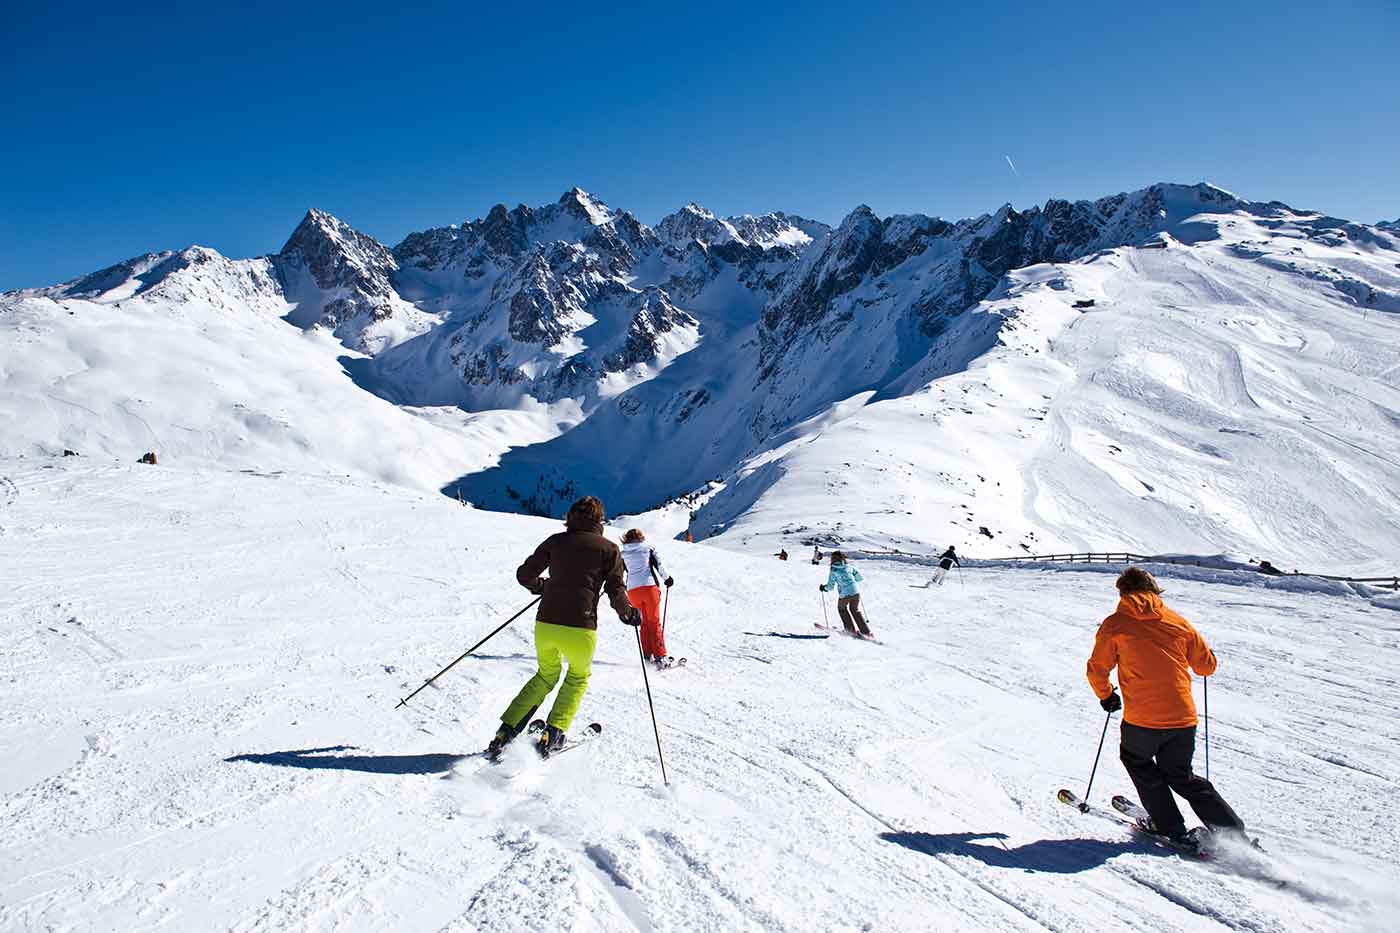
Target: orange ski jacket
1155,651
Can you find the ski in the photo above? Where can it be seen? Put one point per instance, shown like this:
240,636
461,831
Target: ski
537,726
670,663
1129,808
841,631
1123,818
1134,811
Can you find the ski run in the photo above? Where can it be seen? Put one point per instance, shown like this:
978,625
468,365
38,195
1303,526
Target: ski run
199,728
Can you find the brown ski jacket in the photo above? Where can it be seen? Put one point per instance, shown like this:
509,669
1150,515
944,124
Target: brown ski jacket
581,564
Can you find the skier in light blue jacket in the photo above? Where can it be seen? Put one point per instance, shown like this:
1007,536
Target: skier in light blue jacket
845,578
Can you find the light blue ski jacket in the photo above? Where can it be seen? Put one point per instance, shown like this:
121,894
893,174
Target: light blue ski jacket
844,577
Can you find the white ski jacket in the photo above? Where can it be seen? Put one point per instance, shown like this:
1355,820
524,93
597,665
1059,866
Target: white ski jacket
640,558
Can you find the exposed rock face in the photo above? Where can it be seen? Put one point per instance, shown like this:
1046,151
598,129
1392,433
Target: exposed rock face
351,274
959,263
655,316
899,283
337,256
488,367
565,295
694,224
538,312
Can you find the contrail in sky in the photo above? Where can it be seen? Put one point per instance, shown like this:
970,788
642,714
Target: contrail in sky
1013,167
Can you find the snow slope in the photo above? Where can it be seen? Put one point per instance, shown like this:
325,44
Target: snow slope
1238,394
199,727
197,380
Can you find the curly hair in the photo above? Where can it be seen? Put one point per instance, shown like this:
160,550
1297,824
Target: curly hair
633,535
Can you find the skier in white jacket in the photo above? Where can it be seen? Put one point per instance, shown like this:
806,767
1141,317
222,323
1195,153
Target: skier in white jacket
645,576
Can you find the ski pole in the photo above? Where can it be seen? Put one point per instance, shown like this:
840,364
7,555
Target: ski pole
826,623
449,667
654,729
1205,684
665,599
1084,804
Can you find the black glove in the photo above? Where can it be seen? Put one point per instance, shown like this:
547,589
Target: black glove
634,619
1112,703
536,586
670,582
822,587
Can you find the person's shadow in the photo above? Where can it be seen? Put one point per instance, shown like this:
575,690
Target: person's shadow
330,758
1060,856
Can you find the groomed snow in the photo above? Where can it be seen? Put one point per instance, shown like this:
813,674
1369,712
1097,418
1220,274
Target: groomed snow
198,721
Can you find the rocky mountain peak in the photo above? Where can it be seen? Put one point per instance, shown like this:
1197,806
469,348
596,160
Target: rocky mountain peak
584,206
507,232
332,249
350,272
694,223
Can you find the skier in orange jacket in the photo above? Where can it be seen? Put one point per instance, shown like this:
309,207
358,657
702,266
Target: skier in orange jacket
1155,651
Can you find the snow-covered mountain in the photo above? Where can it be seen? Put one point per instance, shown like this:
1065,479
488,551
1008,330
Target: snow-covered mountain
1174,368
576,301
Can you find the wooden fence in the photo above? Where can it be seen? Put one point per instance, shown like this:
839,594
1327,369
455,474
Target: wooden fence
1391,582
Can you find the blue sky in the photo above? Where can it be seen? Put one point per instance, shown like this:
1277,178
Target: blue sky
130,130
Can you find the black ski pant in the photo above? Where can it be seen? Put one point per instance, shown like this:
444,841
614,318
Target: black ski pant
1159,762
851,616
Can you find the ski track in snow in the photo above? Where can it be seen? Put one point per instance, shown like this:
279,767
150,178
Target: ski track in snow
198,719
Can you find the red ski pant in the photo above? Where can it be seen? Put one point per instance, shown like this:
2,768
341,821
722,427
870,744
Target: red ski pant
648,600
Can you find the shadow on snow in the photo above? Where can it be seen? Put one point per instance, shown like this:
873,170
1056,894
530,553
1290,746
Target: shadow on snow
1059,856
327,758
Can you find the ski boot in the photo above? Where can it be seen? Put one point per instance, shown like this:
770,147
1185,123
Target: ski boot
1187,841
504,736
550,740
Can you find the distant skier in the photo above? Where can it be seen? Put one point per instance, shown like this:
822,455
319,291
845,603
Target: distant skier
581,563
816,554
845,578
781,555
645,574
1155,651
945,564
689,538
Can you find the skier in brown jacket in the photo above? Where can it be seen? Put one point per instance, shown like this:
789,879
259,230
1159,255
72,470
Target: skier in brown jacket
581,564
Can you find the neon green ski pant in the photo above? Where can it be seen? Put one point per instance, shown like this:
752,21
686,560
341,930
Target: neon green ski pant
555,644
